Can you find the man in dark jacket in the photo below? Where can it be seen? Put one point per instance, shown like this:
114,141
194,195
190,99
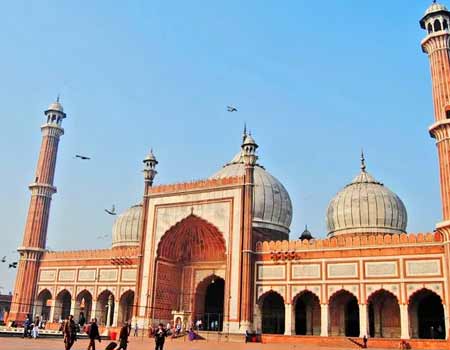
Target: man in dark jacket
93,334
123,337
69,332
160,337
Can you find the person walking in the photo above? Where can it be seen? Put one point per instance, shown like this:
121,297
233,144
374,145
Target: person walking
93,334
160,337
123,337
26,326
69,332
136,329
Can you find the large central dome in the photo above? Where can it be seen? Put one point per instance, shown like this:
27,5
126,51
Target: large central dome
366,206
272,207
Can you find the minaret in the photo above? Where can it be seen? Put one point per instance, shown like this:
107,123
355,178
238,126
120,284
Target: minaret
35,234
249,147
437,45
150,172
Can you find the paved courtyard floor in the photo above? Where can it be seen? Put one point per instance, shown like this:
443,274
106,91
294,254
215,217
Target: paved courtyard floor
8,343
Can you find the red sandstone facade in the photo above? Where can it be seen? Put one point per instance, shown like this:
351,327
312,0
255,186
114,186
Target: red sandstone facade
211,249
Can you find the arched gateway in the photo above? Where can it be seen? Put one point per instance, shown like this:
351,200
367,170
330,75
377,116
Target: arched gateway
190,258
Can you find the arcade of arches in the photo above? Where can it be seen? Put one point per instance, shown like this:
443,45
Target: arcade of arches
423,317
191,248
103,308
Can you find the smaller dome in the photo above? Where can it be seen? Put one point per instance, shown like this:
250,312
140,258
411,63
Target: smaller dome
366,206
306,234
56,106
127,227
434,7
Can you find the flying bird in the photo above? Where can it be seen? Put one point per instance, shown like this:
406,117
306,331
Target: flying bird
4,259
231,109
103,236
13,265
82,157
112,211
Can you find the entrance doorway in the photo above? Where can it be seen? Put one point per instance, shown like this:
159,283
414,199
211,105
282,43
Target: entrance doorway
213,317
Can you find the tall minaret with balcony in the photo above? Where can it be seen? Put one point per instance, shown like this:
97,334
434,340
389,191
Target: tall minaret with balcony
437,45
35,234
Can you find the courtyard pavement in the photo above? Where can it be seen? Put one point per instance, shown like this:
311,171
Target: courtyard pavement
13,343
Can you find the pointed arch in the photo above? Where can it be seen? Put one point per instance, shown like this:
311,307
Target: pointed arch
83,307
43,304
126,303
426,315
209,302
272,312
192,239
63,303
344,313
105,307
307,312
384,314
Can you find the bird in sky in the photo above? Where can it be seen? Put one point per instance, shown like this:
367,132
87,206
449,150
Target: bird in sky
4,259
231,109
103,236
82,157
13,265
111,211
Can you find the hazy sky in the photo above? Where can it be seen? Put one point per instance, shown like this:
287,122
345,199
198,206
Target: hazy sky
314,80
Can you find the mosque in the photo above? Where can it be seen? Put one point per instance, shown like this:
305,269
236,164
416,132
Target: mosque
218,249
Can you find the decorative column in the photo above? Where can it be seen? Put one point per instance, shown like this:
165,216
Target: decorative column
150,162
116,315
446,321
363,320
52,311
35,234
109,313
324,320
404,321
73,304
93,309
249,147
287,319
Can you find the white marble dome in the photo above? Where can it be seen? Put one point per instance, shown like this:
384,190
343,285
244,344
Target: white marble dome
272,207
127,227
56,106
435,7
366,206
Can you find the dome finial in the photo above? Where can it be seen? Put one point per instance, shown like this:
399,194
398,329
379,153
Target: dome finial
244,133
57,98
363,161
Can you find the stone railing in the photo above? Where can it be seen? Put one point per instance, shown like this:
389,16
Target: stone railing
196,185
116,254
349,242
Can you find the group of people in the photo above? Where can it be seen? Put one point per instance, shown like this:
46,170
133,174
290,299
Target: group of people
31,329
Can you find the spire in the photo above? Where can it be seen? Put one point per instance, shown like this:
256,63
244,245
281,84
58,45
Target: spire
57,98
244,133
363,163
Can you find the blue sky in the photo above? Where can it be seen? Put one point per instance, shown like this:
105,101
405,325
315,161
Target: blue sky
315,82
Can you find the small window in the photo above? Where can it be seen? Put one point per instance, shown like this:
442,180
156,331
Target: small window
430,28
445,24
437,25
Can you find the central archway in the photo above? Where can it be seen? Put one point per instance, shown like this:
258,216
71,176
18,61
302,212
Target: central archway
185,251
209,302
